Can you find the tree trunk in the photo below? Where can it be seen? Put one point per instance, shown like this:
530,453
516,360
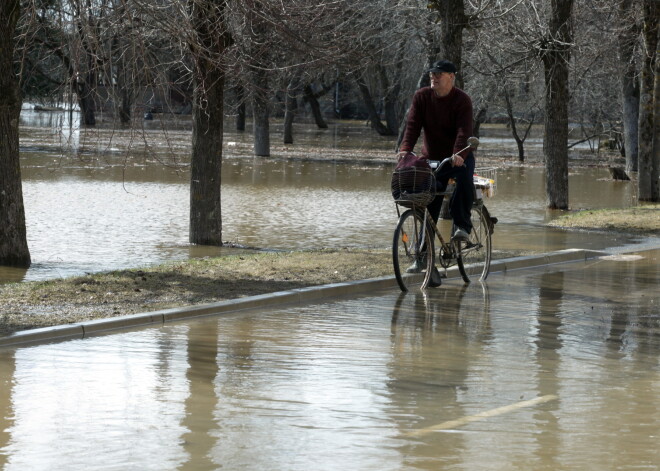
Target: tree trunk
630,99
261,118
314,105
290,106
514,128
656,131
648,159
629,88
617,173
656,125
374,119
85,90
206,160
86,80
13,239
391,95
208,116
555,54
453,21
240,112
125,107
122,94
479,119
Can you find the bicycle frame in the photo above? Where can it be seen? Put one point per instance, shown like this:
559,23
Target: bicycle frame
448,250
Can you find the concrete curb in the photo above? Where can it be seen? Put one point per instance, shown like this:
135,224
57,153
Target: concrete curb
277,299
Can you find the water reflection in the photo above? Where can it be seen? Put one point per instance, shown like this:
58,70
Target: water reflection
547,345
199,420
435,338
361,383
75,388
117,202
7,371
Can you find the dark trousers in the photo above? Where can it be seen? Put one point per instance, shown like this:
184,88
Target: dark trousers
460,204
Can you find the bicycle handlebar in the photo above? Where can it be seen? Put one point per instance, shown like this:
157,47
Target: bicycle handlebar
473,142
436,165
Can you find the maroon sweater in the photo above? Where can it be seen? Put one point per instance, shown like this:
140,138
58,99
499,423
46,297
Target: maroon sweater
447,123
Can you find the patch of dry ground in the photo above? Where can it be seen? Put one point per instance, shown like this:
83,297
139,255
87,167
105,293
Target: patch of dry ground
643,219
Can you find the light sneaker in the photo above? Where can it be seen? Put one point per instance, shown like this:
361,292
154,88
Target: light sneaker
416,267
461,234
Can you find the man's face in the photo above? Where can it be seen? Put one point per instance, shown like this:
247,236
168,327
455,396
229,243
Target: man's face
441,82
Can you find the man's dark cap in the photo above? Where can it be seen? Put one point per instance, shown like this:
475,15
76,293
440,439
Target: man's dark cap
443,66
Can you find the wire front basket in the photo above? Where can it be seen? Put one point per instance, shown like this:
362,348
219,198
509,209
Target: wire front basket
485,182
413,186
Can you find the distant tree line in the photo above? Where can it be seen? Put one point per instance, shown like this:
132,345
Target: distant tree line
583,68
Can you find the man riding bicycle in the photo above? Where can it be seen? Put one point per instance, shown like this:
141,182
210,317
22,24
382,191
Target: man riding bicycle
444,112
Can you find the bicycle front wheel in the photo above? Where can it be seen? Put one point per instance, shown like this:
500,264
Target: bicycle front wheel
412,249
474,256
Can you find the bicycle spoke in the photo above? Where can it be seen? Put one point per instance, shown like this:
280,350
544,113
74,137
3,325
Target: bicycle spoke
474,258
410,256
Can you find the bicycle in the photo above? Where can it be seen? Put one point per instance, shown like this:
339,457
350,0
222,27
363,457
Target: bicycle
415,234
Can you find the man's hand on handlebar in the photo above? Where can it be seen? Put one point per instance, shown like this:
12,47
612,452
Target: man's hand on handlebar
457,160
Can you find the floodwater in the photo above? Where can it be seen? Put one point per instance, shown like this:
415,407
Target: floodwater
116,202
556,368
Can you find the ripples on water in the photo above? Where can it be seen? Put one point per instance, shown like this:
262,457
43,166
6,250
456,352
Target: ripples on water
387,381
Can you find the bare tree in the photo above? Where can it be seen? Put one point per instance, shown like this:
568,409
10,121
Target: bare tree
211,39
554,50
649,156
374,116
13,239
513,123
240,107
312,99
453,20
628,40
291,106
275,41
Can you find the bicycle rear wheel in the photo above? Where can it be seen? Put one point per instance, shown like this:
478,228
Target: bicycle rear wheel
412,249
474,255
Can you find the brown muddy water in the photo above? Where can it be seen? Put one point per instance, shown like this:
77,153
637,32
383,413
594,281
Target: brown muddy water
106,199
556,368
